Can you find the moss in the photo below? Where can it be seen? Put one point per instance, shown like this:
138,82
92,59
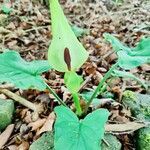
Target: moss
129,95
45,142
6,113
138,103
143,139
113,142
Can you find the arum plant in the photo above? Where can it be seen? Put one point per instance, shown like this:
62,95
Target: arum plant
128,58
66,54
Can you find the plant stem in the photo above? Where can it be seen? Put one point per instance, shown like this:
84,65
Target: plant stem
77,103
107,75
55,95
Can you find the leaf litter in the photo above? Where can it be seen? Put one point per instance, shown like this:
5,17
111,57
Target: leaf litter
27,30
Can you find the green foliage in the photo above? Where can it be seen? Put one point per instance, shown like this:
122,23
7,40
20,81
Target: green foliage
130,58
22,74
118,2
45,142
128,62
143,139
129,75
78,31
86,95
72,133
129,95
72,81
6,112
113,142
138,103
6,9
65,51
116,44
96,102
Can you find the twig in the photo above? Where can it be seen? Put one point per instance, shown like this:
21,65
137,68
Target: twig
36,28
21,100
6,86
85,82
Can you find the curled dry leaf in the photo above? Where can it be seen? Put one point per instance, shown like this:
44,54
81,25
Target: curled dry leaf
48,126
37,124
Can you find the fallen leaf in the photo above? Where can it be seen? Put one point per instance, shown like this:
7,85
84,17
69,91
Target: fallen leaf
124,127
5,135
12,147
23,146
37,124
48,126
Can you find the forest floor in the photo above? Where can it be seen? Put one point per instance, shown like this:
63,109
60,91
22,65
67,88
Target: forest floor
27,30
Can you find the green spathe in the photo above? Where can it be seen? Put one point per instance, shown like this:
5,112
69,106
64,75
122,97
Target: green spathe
64,39
74,134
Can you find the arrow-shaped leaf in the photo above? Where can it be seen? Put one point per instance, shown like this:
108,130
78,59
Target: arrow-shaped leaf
74,134
130,58
21,73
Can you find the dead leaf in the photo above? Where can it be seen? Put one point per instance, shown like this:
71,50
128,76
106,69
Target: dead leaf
37,124
4,137
12,147
23,146
48,126
124,127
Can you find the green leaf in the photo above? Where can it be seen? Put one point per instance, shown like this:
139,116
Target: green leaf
72,134
65,51
116,44
22,74
142,49
72,81
129,62
6,7
129,75
78,31
130,58
96,102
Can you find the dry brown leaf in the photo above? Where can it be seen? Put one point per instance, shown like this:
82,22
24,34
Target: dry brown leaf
12,147
37,124
48,126
124,127
23,146
5,135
